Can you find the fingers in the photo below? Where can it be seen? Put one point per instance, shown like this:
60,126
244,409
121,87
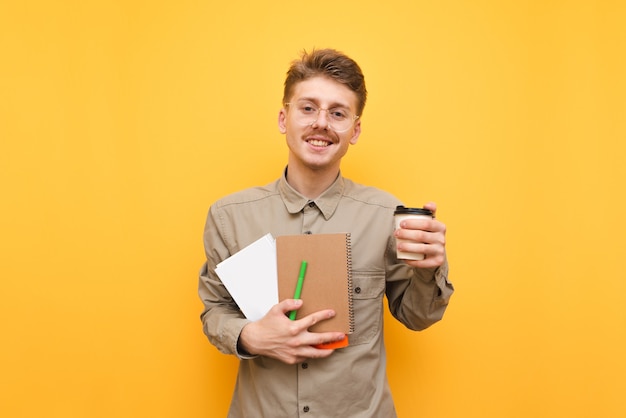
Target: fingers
276,336
428,262
433,248
433,255
288,305
297,341
307,338
304,353
422,231
299,328
430,225
312,319
423,236
306,347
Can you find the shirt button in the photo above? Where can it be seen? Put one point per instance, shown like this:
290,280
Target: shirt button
305,409
311,204
357,290
305,365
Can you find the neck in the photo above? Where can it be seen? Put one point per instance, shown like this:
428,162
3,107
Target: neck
310,183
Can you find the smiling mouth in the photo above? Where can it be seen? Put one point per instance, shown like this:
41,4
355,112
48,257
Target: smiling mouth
319,142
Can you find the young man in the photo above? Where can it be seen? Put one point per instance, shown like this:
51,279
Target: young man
281,374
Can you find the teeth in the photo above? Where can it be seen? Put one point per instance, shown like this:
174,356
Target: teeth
318,143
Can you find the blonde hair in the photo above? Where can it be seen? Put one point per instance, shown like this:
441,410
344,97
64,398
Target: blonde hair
329,63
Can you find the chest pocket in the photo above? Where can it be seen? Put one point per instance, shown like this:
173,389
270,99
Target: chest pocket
367,297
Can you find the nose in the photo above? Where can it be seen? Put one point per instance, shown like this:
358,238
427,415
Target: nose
321,121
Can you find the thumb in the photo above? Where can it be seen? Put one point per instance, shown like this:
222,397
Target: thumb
432,206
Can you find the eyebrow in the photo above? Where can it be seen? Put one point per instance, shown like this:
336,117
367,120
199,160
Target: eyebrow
316,102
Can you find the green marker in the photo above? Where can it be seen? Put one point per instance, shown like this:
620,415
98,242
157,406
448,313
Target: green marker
292,314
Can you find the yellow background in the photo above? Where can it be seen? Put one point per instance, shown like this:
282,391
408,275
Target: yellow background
122,121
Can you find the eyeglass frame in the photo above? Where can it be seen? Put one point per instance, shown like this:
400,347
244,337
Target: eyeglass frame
319,110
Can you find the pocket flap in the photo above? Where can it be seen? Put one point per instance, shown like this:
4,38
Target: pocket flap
367,285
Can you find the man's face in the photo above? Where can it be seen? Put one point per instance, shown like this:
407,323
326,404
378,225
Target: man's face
317,146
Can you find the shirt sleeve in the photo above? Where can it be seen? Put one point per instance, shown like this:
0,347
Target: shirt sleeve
222,321
417,297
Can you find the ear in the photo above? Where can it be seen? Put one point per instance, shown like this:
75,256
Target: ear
282,118
357,132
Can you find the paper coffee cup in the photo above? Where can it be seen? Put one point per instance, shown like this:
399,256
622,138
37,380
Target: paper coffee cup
401,213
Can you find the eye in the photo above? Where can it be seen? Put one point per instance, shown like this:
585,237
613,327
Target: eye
307,108
338,114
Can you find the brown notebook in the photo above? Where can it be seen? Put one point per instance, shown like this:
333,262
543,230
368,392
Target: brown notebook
328,279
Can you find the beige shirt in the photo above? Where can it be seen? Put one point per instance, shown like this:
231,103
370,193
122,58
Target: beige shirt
352,382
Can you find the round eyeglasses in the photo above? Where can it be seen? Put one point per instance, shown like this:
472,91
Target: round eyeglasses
339,118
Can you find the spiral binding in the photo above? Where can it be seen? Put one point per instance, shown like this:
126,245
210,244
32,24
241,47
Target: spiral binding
349,268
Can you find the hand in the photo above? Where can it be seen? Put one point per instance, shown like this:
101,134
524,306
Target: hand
276,336
428,236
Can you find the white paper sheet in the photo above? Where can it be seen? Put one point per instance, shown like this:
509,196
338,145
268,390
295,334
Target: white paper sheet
250,277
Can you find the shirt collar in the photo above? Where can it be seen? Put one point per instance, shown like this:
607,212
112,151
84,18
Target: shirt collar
327,202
